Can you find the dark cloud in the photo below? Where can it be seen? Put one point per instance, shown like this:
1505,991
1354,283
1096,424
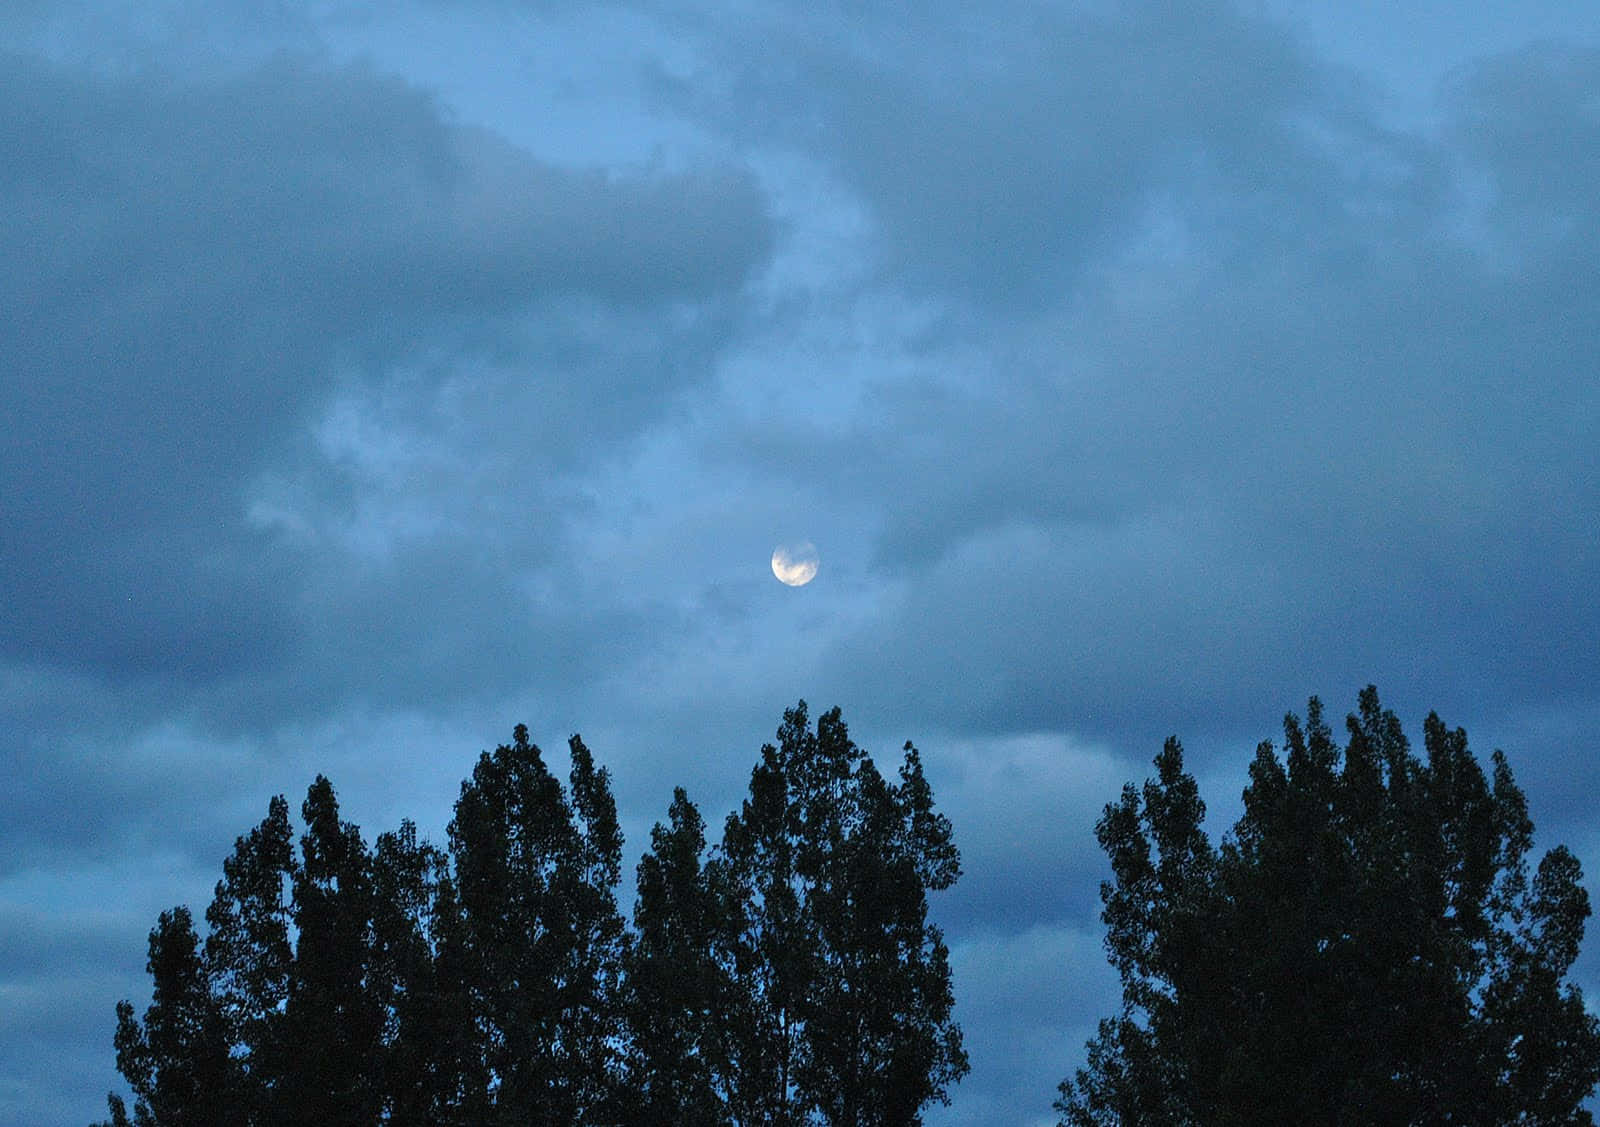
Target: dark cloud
190,264
1133,371
1339,442
289,350
1004,157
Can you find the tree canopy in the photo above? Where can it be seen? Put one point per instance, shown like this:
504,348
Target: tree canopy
1366,946
787,976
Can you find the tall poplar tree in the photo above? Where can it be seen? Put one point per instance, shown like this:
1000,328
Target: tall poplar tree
843,1014
538,937
680,992
249,958
333,1019
177,1060
419,1064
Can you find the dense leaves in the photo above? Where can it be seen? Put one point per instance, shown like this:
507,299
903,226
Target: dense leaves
538,936
789,976
681,994
1365,947
825,872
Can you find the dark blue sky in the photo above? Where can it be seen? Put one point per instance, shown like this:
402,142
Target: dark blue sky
376,377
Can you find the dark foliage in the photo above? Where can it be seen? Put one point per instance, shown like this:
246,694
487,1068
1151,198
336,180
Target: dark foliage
1365,947
845,1013
681,994
537,938
791,977
177,1061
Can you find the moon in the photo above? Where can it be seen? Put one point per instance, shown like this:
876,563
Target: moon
795,564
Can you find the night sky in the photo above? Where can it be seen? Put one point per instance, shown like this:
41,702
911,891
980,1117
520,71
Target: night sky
377,376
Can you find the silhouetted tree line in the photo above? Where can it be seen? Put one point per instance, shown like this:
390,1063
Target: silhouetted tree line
1366,947
788,976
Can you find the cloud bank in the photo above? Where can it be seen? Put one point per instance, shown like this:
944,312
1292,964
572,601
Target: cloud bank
1134,368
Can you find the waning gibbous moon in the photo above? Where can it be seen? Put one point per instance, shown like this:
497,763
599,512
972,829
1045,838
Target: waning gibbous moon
795,564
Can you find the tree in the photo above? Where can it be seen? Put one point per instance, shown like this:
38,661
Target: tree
408,986
843,1010
679,991
421,1062
537,937
177,1060
332,1020
789,977
249,958
1364,947
274,1020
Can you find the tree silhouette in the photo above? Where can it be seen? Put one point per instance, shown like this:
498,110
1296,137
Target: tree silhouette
177,1060
1365,947
421,1059
332,1020
843,1016
249,959
540,938
681,993
789,977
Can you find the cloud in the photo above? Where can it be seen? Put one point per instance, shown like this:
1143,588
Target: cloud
197,264
306,378
1024,809
1004,157
1315,400
1132,371
1528,119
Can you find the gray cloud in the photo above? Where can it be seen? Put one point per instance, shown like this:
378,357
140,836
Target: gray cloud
1132,372
1333,426
191,262
1004,157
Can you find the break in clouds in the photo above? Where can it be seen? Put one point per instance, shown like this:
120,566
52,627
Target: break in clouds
378,379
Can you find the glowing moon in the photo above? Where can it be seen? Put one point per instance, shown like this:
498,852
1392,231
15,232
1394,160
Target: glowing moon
795,564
